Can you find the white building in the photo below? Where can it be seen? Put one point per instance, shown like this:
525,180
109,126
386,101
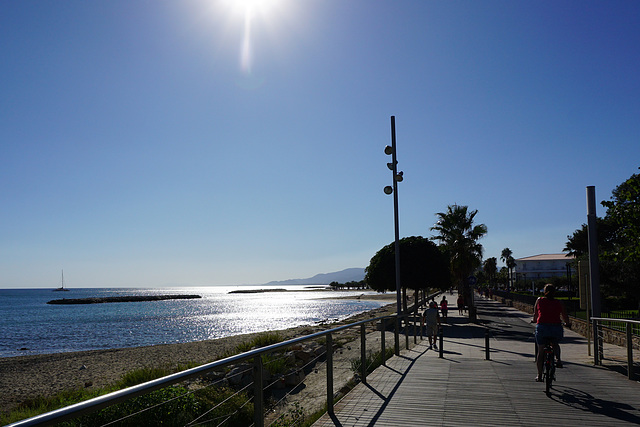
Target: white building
543,266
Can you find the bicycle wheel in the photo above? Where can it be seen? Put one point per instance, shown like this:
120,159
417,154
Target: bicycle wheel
549,368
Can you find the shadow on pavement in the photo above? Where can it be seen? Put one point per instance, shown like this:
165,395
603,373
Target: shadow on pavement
581,400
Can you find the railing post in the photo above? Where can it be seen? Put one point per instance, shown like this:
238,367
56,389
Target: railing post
363,353
596,345
629,352
406,331
383,350
487,353
397,335
258,401
330,375
415,328
600,343
441,341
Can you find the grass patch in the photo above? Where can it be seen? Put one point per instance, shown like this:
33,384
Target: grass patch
174,405
261,340
40,405
142,375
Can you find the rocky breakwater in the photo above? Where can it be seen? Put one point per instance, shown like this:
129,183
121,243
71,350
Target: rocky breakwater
130,298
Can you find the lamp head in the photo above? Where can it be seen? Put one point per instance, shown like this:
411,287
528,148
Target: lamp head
399,176
388,189
388,150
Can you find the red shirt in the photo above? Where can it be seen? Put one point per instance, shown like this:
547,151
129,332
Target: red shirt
548,310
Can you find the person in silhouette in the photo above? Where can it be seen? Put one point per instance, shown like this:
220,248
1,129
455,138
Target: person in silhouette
431,319
444,307
548,314
460,304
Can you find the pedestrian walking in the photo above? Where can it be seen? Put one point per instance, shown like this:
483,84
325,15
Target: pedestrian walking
444,307
431,319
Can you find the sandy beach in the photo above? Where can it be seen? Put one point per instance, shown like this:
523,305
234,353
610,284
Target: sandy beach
27,377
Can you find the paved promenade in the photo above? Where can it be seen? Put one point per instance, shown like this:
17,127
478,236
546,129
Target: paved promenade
463,388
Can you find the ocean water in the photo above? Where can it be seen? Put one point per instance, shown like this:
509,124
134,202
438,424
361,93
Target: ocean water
28,325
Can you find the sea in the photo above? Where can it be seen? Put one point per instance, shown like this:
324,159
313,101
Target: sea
28,325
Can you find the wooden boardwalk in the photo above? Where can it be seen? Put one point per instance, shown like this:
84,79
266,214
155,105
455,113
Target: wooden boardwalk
463,388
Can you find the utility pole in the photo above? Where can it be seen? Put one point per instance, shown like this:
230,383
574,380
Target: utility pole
397,177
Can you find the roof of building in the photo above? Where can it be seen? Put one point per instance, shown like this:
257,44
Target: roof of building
546,257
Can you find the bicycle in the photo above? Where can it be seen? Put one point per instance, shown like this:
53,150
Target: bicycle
549,367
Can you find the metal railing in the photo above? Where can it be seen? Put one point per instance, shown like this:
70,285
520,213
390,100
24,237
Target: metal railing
98,403
599,323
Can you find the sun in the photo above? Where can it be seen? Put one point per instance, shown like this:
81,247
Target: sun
253,7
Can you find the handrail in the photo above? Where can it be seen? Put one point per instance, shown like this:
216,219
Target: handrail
611,319
598,347
100,402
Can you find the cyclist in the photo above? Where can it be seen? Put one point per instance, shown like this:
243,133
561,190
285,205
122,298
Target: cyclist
547,314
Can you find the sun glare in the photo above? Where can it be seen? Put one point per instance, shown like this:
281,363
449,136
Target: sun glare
249,10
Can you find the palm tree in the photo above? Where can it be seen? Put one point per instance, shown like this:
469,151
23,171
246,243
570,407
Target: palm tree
506,254
510,262
459,237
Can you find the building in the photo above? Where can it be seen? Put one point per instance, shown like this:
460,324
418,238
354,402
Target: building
544,266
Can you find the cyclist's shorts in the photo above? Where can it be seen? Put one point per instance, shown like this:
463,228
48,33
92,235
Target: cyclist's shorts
550,330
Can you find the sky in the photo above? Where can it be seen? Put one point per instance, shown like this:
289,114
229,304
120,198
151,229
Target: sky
190,143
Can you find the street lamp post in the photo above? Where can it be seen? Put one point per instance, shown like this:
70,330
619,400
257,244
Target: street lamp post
397,177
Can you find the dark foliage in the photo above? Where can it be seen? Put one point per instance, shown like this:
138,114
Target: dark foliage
422,266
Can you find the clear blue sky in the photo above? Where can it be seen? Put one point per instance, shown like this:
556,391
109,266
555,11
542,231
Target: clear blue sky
156,143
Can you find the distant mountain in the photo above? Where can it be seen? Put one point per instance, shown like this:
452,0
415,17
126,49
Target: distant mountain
348,275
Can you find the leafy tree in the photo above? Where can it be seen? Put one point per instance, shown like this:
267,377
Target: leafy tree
623,213
459,236
482,278
422,265
502,278
578,243
490,267
612,273
623,250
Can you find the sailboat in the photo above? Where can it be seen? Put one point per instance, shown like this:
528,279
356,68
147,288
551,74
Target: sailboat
61,288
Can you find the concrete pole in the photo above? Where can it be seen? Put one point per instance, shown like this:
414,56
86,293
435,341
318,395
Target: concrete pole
594,266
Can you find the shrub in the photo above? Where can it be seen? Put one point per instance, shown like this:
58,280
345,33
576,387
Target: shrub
142,375
175,405
168,406
261,340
